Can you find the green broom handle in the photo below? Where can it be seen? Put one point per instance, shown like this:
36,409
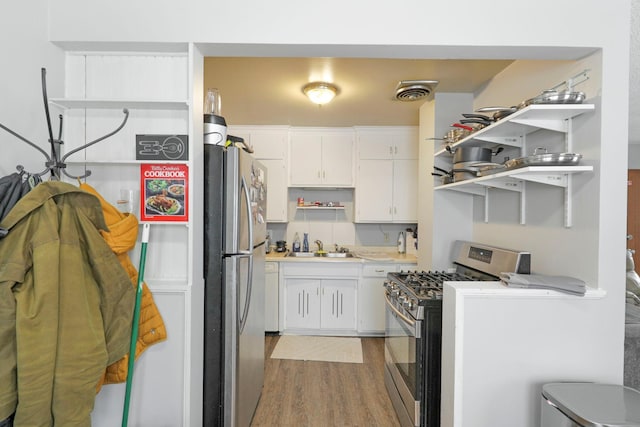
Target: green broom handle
136,319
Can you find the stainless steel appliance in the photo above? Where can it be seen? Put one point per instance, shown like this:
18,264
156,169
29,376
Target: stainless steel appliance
234,269
413,331
571,404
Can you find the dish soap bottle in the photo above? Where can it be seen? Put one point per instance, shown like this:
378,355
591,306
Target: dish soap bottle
305,243
402,243
296,243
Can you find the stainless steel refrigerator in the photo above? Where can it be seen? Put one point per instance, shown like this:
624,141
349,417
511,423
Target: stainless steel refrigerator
234,251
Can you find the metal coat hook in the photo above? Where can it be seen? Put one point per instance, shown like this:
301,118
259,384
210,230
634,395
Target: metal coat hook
54,164
95,141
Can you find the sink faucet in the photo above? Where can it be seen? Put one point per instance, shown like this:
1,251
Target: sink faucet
319,243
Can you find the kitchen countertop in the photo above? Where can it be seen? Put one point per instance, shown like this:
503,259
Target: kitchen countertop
363,255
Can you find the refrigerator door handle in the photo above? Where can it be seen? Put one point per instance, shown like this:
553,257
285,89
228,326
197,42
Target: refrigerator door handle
249,254
247,197
247,302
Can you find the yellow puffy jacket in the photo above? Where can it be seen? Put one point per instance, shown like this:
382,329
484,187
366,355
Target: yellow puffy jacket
121,237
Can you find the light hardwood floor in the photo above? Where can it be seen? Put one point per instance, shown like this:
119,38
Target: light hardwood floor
323,394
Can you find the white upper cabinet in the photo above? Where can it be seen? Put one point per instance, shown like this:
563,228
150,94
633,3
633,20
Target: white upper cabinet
270,145
387,175
387,143
321,157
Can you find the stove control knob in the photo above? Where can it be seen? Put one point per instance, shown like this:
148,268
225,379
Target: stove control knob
408,304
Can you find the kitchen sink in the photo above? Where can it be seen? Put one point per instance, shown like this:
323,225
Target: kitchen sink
320,254
338,254
303,254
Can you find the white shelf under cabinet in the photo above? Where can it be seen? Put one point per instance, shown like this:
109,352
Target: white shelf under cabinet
120,103
508,131
319,208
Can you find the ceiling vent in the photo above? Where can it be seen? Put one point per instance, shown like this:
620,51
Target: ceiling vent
414,90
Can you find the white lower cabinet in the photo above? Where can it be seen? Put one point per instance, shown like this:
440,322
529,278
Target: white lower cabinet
320,299
371,298
320,304
371,303
338,304
302,309
335,298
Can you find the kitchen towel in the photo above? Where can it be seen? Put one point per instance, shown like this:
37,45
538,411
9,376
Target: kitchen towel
566,284
323,349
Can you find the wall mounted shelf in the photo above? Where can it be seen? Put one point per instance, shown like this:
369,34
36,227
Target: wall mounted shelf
79,103
510,130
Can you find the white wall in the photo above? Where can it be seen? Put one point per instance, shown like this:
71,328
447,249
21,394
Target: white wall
357,27
25,50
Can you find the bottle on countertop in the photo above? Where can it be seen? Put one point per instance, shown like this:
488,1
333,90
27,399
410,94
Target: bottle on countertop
296,243
305,243
402,243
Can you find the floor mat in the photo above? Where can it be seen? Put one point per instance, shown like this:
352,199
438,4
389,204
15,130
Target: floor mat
324,349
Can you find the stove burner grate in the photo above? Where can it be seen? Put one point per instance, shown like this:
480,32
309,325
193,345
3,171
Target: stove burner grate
427,284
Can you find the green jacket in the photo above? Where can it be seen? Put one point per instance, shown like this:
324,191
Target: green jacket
66,306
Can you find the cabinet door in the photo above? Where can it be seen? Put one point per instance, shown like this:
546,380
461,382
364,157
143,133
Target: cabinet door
269,144
338,304
305,161
337,159
302,305
276,190
405,144
405,191
371,305
374,191
375,145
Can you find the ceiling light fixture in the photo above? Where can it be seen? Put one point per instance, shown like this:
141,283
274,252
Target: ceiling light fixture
320,92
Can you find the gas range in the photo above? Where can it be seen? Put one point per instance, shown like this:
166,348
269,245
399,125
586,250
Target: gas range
410,291
413,318
473,261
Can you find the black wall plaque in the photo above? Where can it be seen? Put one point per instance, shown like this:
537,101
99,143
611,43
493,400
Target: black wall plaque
162,147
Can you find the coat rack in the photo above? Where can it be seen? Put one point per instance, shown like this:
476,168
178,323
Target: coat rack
54,163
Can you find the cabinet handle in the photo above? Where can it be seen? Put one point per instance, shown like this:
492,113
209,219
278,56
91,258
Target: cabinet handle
390,150
333,304
299,298
395,210
379,271
390,210
307,303
341,303
318,174
324,174
396,148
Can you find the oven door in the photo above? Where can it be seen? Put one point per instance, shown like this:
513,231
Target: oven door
403,363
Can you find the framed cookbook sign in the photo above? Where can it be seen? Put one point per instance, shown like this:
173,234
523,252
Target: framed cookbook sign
163,191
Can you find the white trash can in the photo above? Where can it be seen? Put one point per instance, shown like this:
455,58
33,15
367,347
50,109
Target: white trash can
589,404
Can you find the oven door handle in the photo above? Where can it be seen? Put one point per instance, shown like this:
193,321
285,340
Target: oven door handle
411,322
